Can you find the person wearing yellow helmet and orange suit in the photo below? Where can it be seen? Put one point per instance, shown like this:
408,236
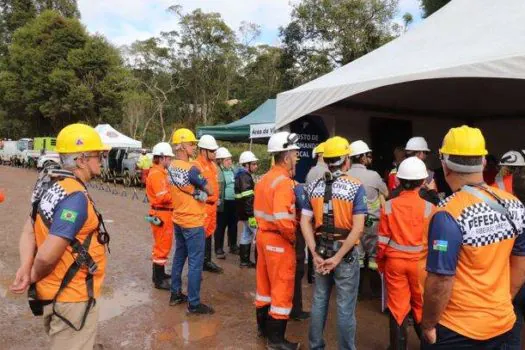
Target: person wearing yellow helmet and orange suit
63,257
274,210
332,224
161,207
206,161
474,253
190,192
402,224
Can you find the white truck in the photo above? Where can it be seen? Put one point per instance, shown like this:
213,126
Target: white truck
9,152
48,159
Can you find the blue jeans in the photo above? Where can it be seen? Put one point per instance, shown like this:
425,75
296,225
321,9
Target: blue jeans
346,280
447,339
514,340
247,233
189,243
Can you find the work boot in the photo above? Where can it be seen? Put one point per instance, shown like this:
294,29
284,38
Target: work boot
158,278
275,330
398,335
209,265
201,309
262,316
245,256
235,250
219,253
300,316
178,298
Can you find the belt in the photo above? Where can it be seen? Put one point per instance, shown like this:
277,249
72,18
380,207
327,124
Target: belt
161,208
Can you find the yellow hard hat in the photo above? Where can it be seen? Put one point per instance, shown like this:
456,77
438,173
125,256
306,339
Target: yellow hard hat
183,135
336,147
319,148
78,138
464,141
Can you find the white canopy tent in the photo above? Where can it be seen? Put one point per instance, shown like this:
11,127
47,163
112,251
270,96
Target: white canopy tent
114,138
466,62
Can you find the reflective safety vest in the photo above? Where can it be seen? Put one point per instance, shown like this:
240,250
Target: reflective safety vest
344,191
274,203
480,305
76,290
187,211
402,224
503,183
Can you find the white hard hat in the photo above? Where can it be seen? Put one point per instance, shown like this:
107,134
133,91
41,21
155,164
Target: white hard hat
222,153
208,142
247,157
359,147
163,149
283,141
512,158
418,144
412,168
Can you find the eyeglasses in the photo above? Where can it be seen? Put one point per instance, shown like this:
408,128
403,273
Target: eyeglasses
99,155
291,140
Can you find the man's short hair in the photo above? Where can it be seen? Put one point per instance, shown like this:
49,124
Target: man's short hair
278,157
408,185
464,164
69,160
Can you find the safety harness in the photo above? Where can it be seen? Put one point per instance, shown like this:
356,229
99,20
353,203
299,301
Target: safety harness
80,251
327,235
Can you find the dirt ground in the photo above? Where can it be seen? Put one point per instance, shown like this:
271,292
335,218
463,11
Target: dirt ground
134,315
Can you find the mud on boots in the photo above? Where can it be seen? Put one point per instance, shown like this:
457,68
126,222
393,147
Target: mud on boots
244,197
206,162
191,190
274,210
160,214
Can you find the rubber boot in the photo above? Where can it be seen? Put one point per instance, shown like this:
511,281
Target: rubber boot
398,335
275,330
245,256
158,278
262,316
208,264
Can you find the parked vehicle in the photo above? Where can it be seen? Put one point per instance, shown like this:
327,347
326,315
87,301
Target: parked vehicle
11,152
40,147
120,165
48,159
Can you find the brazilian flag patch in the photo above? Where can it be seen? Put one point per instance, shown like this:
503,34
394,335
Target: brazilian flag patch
69,215
441,246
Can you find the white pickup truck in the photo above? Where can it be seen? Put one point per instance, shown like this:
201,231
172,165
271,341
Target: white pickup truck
47,159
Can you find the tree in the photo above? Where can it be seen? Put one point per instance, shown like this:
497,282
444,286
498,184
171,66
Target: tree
206,47
325,34
431,6
17,13
407,20
58,74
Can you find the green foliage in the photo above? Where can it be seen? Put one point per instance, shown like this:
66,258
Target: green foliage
260,152
325,34
431,6
57,74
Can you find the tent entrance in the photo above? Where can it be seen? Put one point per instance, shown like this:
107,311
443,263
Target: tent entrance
386,134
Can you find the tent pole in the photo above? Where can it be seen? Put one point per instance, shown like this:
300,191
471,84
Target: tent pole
251,141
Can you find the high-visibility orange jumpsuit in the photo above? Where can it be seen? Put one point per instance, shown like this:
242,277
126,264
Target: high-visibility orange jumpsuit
402,224
160,200
274,209
503,183
2,197
210,173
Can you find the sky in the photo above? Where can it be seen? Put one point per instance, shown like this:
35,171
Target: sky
124,21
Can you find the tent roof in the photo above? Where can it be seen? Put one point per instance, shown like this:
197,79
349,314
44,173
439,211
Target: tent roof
465,40
239,130
113,138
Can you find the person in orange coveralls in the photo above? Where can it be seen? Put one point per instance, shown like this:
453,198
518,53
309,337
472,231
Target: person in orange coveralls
402,223
274,210
206,161
160,200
